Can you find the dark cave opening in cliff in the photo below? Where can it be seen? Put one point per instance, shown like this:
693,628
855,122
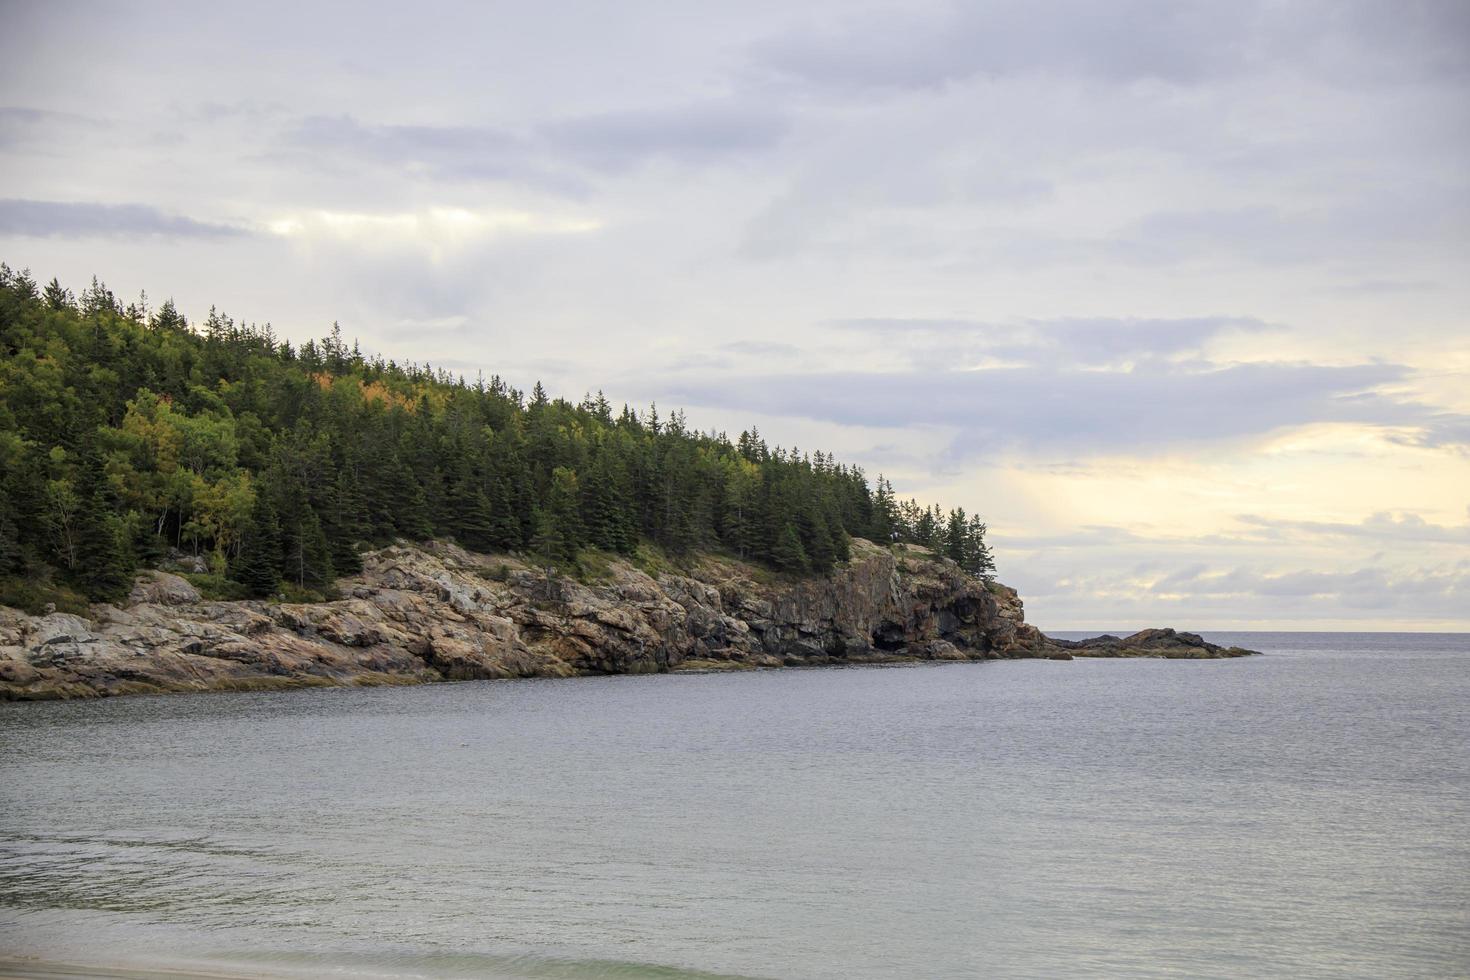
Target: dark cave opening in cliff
889,637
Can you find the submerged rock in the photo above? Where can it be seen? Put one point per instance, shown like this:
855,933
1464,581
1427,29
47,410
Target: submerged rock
438,612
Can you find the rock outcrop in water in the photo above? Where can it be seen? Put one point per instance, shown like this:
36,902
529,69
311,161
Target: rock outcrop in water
437,612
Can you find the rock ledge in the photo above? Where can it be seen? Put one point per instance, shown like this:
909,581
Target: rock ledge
437,612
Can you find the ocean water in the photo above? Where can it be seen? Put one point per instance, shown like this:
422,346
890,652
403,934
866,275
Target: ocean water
1304,814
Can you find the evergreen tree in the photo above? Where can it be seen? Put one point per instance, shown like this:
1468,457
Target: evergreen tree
406,505
787,553
104,563
821,552
841,544
954,536
885,513
168,318
978,559
926,529
258,564
347,521
58,297
12,559
505,529
308,557
605,512
563,514
546,544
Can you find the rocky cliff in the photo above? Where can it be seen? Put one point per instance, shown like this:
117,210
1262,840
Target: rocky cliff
437,612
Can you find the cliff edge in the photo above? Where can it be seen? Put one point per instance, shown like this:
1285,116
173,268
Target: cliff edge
437,612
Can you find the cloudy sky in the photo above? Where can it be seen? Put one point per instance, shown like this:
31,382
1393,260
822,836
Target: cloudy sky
1176,295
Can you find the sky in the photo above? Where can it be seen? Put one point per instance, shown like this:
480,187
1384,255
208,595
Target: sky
1175,295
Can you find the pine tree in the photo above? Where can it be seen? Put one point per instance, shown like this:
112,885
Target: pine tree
926,528
787,553
346,521
954,536
12,557
406,503
308,556
168,318
59,298
821,552
563,513
505,530
258,564
841,544
885,513
105,565
604,512
978,559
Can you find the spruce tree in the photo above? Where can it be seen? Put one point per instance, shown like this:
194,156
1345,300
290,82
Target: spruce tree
604,512
885,513
787,553
308,557
822,554
841,544
347,521
563,513
505,530
954,536
978,559
104,562
12,559
258,564
58,297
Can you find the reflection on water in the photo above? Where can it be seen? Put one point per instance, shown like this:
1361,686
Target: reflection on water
1301,813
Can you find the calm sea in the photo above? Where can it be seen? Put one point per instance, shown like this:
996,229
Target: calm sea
1302,814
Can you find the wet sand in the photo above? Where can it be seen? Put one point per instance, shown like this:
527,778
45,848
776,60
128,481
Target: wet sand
24,969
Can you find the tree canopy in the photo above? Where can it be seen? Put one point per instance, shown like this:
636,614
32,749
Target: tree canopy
127,431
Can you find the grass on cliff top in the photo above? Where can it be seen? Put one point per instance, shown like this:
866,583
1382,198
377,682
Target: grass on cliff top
32,596
215,587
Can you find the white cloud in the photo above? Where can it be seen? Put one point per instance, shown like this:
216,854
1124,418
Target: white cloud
440,226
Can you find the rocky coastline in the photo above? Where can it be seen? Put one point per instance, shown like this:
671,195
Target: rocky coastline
435,612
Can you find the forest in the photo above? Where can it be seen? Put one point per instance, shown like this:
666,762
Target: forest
128,433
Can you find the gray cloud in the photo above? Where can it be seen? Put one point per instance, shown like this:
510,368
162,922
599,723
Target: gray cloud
25,126
1392,286
81,219
1183,43
1373,588
1383,526
1063,340
1364,229
553,156
689,133
1116,42
761,348
444,152
1208,594
1274,234
1047,410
